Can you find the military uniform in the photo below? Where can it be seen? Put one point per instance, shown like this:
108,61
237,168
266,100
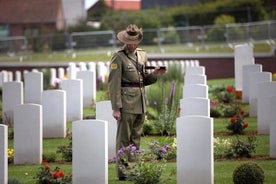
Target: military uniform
126,82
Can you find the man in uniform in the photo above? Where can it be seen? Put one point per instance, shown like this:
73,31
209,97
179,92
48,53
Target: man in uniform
127,80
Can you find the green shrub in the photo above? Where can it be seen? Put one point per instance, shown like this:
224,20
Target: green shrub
248,173
242,147
237,124
66,150
215,112
50,157
230,110
148,128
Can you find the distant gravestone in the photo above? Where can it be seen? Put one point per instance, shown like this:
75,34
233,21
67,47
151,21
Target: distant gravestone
243,56
272,128
3,154
195,106
254,79
53,77
195,70
12,96
18,76
74,100
3,77
90,155
72,70
246,70
195,79
89,88
33,87
195,90
104,112
28,134
54,113
195,150
265,91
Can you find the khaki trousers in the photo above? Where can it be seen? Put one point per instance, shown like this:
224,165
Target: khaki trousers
129,132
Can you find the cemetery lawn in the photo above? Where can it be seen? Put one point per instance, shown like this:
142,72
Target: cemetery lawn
223,168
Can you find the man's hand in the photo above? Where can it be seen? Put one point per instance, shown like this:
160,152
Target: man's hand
159,71
116,114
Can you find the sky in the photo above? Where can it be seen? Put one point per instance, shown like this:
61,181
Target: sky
88,3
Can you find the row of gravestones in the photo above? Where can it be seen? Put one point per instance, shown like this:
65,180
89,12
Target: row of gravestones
259,91
51,107
195,130
101,68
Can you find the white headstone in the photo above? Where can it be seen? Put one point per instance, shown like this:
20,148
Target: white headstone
54,113
272,128
195,70
12,96
195,79
246,70
90,159
265,91
33,87
72,70
195,158
89,87
18,76
3,154
195,106
74,100
3,77
28,134
53,75
254,79
195,90
104,112
243,56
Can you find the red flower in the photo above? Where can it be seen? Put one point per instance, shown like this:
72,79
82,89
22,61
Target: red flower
47,167
44,160
229,89
61,174
242,112
245,125
56,175
232,120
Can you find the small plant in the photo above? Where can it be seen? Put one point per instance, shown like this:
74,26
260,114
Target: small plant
46,176
224,94
236,124
169,112
137,168
10,155
221,147
164,148
66,151
242,148
248,173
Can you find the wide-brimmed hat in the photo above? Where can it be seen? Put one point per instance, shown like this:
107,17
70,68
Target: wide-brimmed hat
132,35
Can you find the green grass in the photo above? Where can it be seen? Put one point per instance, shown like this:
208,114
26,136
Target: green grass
104,54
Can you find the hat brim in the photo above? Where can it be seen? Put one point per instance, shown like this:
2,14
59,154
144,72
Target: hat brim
121,36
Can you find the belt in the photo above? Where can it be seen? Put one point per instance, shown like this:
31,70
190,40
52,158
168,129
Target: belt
130,84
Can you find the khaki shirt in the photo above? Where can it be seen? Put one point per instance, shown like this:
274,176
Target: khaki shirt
123,70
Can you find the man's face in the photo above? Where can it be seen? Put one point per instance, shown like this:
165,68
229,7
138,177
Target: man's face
131,47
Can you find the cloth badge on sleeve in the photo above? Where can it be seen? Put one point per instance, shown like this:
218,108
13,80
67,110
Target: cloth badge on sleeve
113,66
